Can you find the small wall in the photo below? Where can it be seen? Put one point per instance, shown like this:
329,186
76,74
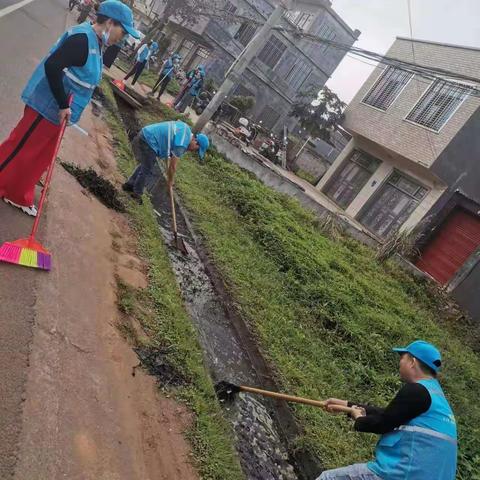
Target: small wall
280,184
312,163
467,291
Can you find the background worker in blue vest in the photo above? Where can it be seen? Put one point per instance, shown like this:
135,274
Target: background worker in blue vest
169,68
418,430
143,55
73,66
168,141
195,80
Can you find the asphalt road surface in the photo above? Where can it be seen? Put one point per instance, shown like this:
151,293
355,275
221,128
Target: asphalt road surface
26,35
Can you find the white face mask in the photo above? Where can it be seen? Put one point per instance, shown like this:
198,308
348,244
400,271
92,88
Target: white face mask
106,36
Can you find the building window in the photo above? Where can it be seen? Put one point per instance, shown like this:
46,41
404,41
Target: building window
269,117
245,33
352,177
387,88
392,205
300,19
298,74
272,52
230,7
437,105
199,58
328,33
185,50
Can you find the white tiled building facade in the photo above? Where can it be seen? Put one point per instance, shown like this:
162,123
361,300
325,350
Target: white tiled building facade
400,124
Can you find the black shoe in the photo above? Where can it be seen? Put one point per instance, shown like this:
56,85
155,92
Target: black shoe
127,188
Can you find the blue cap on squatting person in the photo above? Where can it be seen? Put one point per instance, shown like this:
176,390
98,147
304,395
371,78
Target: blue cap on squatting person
425,352
120,12
203,144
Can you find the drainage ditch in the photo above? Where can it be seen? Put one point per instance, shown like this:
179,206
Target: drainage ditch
264,429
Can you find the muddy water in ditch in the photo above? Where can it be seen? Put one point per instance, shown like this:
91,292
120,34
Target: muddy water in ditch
260,439
261,450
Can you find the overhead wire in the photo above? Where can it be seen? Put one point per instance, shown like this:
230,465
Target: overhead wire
427,72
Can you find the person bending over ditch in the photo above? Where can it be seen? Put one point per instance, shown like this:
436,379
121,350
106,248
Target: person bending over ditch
73,67
167,140
418,430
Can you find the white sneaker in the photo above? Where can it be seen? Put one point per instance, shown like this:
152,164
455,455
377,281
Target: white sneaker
32,211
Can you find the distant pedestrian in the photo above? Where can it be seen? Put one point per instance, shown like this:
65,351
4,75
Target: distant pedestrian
73,66
85,9
168,141
167,72
143,55
192,88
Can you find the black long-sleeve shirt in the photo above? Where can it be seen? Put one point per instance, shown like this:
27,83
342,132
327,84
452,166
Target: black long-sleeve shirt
412,400
72,53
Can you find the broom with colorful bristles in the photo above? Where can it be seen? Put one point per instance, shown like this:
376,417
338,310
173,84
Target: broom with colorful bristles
27,251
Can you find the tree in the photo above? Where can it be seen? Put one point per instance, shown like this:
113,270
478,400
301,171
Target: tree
319,113
185,12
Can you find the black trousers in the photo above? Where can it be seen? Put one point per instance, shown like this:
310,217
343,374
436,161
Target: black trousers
162,82
136,71
147,160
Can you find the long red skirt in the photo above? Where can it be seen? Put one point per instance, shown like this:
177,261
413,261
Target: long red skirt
25,156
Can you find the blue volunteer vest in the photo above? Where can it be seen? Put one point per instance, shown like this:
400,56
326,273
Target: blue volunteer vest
163,137
79,81
143,55
196,86
168,68
424,448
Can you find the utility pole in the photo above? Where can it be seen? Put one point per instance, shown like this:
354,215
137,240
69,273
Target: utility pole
234,74
239,66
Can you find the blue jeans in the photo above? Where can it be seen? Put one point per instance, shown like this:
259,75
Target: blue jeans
147,159
358,471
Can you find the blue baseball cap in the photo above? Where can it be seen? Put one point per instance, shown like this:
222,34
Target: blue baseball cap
120,12
425,352
203,143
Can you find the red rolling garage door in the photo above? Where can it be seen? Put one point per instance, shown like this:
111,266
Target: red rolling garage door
456,240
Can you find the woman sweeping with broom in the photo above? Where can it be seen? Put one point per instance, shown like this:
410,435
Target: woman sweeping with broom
72,68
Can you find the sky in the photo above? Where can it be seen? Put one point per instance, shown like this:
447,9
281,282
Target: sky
380,21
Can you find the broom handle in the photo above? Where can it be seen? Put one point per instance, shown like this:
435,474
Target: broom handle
49,176
174,215
164,77
290,398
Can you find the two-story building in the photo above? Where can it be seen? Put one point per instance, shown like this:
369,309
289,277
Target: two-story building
414,160
285,67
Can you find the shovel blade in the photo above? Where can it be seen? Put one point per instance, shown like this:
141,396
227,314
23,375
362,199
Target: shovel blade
179,244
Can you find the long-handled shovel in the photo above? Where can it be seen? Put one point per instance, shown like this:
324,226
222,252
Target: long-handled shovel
178,242
226,392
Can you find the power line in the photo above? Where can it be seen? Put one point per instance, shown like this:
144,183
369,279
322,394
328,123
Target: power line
433,150
424,71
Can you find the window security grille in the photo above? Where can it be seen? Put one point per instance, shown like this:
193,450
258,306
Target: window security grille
387,88
245,33
298,74
328,33
269,117
230,7
437,105
300,19
272,52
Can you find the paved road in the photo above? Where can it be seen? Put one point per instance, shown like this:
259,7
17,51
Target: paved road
25,37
